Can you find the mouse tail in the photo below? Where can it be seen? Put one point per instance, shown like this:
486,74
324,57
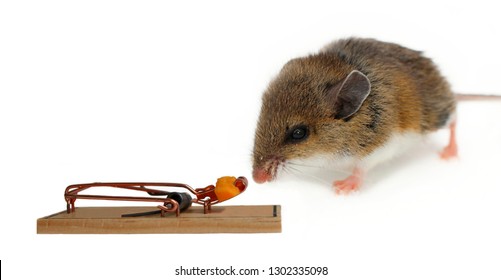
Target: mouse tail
476,97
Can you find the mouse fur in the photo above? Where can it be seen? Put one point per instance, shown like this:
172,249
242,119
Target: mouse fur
398,90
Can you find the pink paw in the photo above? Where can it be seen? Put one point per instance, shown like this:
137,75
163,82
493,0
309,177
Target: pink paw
449,152
347,185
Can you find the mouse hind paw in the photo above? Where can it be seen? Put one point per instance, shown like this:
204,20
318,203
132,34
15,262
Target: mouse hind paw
451,150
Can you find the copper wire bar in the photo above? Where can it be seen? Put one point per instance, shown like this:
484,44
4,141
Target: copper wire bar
170,205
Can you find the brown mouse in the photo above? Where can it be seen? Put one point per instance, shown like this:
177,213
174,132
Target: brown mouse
356,101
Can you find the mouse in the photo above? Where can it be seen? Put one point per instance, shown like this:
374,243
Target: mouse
357,101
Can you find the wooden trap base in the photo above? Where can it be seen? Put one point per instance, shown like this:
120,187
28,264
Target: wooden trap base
222,219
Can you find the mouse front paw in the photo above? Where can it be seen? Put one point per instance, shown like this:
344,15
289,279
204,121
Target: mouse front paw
348,185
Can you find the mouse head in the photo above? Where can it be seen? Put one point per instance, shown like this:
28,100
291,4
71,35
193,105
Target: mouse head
305,111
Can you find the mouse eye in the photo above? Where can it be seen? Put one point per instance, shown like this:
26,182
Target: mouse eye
297,133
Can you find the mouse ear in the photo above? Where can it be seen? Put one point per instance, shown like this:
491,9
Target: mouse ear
349,95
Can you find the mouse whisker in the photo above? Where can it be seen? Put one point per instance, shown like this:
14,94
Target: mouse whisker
297,172
320,167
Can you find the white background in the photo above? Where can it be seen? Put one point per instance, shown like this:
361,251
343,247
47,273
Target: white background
170,91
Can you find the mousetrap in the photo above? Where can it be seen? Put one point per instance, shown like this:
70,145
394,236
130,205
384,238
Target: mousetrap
174,215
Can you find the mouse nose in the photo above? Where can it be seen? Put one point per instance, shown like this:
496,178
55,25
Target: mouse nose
260,175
